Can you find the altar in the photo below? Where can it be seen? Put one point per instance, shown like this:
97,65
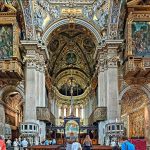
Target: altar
72,128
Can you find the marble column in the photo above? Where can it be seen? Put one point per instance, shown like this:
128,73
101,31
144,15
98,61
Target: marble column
112,80
102,79
41,92
82,112
102,92
108,84
30,87
79,112
62,112
40,81
52,106
34,87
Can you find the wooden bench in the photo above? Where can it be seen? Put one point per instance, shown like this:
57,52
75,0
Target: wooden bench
45,147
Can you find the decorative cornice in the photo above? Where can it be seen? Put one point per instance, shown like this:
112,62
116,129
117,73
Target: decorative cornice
113,43
11,69
10,11
30,45
72,2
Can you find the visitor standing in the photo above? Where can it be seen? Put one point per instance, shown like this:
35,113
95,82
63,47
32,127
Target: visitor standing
69,141
116,146
53,141
8,144
19,143
2,143
87,143
76,145
127,145
16,144
24,144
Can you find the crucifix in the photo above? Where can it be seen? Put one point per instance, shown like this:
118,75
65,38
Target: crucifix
71,92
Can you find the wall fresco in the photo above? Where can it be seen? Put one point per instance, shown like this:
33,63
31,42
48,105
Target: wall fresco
141,38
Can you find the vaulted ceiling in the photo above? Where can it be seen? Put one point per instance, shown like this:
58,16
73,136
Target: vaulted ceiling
71,48
137,2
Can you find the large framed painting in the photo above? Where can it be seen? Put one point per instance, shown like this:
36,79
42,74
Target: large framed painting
141,38
138,35
6,41
72,128
9,33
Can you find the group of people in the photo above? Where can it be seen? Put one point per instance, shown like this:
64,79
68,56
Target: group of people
73,144
49,142
17,144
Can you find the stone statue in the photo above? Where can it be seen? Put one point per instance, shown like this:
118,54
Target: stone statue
101,13
38,18
55,12
88,12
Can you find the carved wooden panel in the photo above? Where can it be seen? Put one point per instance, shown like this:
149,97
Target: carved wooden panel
43,113
99,114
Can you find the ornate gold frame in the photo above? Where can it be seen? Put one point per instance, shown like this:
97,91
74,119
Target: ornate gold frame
134,16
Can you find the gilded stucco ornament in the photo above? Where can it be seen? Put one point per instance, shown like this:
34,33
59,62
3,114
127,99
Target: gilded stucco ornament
30,30
114,19
133,104
45,12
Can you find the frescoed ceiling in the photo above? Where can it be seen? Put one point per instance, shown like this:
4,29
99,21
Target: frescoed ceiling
71,48
138,2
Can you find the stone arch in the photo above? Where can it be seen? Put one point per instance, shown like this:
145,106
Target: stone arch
8,88
66,21
143,88
12,111
135,110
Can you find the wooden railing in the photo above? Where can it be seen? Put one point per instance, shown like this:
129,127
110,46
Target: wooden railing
99,147
44,147
59,147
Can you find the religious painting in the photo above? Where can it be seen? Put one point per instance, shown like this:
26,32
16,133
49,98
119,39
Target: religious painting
141,38
72,128
6,41
137,124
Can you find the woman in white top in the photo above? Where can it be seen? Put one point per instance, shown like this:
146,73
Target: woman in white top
76,146
16,144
